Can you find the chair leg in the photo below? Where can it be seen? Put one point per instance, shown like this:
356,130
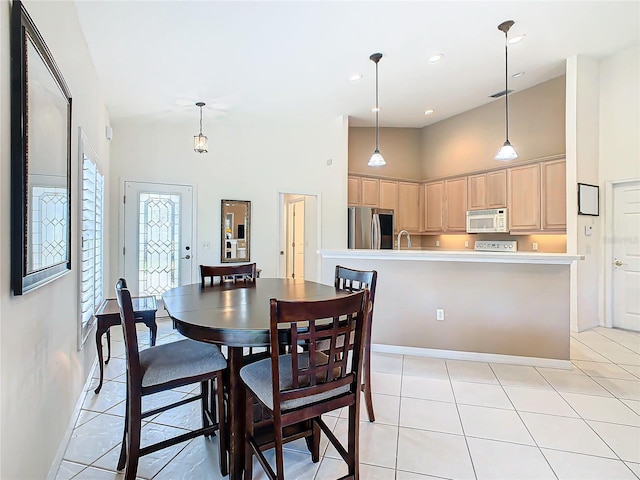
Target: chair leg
122,461
353,459
204,399
313,441
277,425
222,425
134,426
248,449
366,384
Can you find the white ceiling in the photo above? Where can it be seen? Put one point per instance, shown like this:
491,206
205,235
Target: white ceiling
285,61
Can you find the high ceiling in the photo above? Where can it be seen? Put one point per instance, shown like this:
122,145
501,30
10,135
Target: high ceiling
288,61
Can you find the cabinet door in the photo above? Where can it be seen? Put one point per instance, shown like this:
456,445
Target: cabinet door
389,195
476,191
456,205
370,187
433,195
554,211
353,192
524,198
408,210
496,196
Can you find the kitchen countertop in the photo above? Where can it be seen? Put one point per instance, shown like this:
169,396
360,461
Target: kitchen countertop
455,256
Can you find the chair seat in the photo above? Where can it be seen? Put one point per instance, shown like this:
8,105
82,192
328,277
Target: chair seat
257,376
182,360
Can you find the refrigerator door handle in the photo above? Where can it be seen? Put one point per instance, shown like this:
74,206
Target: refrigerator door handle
375,225
351,240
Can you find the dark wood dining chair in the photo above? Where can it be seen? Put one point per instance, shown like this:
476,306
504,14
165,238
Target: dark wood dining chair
231,273
303,384
353,281
164,367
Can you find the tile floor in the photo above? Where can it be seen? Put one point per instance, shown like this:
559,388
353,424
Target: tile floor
436,418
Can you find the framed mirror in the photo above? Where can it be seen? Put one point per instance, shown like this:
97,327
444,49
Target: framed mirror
235,217
40,159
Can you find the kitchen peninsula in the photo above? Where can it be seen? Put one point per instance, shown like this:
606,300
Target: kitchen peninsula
498,307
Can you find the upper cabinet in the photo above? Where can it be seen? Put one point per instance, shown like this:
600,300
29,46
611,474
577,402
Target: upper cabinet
455,192
354,192
408,217
388,195
487,190
554,208
370,191
432,205
524,198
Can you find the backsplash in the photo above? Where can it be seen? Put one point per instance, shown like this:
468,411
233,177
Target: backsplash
545,243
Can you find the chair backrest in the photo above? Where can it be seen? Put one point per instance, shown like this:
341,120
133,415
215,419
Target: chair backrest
356,280
127,318
235,273
316,370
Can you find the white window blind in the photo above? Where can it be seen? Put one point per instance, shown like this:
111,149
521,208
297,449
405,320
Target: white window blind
92,263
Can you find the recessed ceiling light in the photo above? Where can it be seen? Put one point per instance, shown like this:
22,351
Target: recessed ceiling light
355,77
428,112
517,74
435,58
375,109
516,39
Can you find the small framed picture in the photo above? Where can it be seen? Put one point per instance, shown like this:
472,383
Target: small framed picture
588,199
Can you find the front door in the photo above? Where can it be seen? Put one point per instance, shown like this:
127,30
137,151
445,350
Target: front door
158,221
626,256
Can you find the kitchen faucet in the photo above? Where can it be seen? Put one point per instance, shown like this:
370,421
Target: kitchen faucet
408,238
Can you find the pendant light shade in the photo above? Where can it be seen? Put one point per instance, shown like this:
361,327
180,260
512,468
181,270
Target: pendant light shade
376,160
506,152
200,141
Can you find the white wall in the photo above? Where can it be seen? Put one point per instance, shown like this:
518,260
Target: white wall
253,162
42,372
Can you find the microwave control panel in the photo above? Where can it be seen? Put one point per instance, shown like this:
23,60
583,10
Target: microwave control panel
496,246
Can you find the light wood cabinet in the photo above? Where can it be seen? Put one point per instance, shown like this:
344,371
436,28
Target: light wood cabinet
487,190
455,192
370,191
524,198
389,195
354,193
432,205
408,217
554,211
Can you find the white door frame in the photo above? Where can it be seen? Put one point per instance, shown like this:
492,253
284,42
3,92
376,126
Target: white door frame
282,222
608,247
121,233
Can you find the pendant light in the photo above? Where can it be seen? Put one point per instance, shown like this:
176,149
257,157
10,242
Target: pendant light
376,160
200,141
507,152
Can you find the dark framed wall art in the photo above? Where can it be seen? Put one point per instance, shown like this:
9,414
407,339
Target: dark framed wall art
40,159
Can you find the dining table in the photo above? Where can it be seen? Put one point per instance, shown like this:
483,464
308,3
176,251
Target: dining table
236,315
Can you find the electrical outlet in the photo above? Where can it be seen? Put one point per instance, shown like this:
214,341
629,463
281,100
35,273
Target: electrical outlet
466,244
437,243
439,313
534,246
206,246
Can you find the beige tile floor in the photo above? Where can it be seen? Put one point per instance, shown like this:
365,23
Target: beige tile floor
436,418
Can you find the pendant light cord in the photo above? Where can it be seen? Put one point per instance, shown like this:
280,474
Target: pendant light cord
377,107
506,85
201,120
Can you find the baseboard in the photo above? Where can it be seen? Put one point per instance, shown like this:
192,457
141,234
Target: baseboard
472,356
62,447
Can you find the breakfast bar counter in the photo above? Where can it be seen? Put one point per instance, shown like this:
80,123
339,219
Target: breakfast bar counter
498,306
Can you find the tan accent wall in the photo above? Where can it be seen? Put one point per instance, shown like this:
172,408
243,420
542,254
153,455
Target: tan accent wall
400,147
489,307
469,141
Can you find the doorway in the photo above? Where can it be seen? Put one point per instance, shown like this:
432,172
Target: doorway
158,229
625,263
300,236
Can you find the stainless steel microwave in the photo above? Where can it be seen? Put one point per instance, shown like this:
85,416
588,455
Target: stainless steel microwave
487,221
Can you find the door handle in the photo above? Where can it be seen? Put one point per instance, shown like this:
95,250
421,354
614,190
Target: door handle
187,257
618,263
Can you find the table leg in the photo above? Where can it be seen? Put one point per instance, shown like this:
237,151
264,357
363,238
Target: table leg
149,319
99,333
236,414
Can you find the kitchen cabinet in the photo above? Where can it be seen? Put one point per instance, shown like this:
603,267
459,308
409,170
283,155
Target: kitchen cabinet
554,209
432,206
524,198
408,217
354,193
487,190
455,192
389,195
370,188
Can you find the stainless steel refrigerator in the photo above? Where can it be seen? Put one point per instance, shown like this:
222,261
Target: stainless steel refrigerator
370,228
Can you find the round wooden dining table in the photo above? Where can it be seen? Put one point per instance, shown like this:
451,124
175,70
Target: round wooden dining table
236,315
